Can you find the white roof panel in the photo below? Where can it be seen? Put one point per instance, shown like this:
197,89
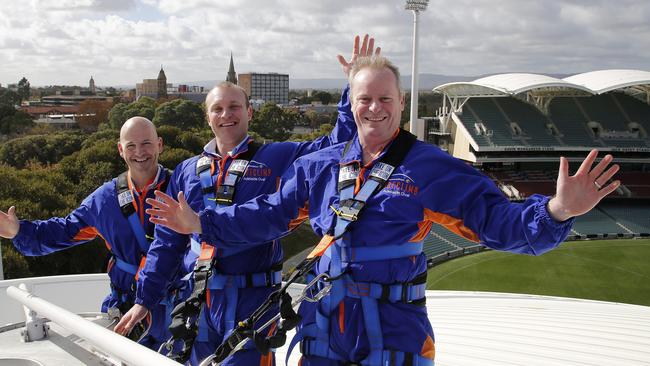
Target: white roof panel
602,81
507,84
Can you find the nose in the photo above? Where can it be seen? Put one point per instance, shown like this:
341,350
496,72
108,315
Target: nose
374,106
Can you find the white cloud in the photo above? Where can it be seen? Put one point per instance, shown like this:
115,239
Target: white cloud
124,41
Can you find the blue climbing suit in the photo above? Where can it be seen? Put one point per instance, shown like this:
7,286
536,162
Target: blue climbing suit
374,313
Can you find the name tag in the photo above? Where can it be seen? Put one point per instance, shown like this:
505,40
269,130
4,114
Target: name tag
382,171
125,198
238,166
348,172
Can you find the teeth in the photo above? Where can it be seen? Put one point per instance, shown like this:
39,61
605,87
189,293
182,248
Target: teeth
227,124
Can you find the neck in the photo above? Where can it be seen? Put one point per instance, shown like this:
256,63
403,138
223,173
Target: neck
223,147
372,147
141,180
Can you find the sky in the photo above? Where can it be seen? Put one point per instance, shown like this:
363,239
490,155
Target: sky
121,42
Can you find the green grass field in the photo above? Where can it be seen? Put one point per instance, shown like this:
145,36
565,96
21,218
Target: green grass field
610,270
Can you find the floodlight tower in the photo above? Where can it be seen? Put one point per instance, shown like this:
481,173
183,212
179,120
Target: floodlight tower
416,6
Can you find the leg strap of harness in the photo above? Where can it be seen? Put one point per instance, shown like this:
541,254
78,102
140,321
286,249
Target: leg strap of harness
231,285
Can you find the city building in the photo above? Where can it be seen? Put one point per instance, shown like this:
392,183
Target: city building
153,88
271,87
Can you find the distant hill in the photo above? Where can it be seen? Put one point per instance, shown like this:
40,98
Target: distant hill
427,82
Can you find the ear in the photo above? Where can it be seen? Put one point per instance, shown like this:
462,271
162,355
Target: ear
160,145
120,149
250,112
402,103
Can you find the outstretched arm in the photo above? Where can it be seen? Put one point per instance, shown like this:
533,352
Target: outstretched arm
9,223
578,194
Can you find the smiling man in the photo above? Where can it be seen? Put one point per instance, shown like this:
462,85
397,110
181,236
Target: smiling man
232,169
116,212
374,200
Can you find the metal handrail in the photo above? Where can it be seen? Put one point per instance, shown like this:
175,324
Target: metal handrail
109,342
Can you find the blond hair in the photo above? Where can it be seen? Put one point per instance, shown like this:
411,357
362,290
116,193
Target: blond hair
374,62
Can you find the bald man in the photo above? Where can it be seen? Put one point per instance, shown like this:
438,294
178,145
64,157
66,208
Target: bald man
116,212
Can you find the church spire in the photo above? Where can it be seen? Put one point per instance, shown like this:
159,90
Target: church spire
232,75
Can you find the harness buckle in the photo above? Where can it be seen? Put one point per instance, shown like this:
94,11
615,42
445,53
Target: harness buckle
349,210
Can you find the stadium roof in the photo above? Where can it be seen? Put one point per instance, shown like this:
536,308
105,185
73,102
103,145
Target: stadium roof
510,84
603,81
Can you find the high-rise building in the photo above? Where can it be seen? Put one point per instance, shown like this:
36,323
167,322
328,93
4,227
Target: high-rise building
271,87
232,75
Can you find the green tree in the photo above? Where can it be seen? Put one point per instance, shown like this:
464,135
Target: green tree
172,157
116,115
23,89
272,122
16,123
144,107
181,113
44,149
8,98
323,96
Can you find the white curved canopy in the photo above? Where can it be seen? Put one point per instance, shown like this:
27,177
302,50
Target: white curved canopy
602,81
510,84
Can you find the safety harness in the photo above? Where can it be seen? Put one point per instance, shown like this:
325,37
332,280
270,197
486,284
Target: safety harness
336,284
126,201
187,323
314,338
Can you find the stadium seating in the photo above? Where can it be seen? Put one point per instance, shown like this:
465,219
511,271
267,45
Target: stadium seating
531,121
468,119
634,216
570,122
494,120
636,110
602,109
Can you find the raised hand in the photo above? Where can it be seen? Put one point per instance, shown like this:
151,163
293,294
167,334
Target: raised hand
578,194
176,215
9,224
130,319
367,49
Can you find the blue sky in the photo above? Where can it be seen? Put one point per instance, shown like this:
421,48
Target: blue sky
120,42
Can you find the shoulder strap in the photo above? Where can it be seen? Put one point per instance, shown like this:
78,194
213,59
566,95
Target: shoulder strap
125,200
225,193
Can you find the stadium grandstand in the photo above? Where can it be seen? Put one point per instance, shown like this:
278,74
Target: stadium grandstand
514,127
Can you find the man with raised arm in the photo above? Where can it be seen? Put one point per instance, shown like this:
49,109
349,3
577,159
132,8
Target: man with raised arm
374,200
232,169
116,212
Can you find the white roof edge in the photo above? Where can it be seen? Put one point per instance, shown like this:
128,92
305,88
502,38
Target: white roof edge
602,81
506,84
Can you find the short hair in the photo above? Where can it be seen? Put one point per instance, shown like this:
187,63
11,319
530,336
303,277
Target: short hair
375,62
226,84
